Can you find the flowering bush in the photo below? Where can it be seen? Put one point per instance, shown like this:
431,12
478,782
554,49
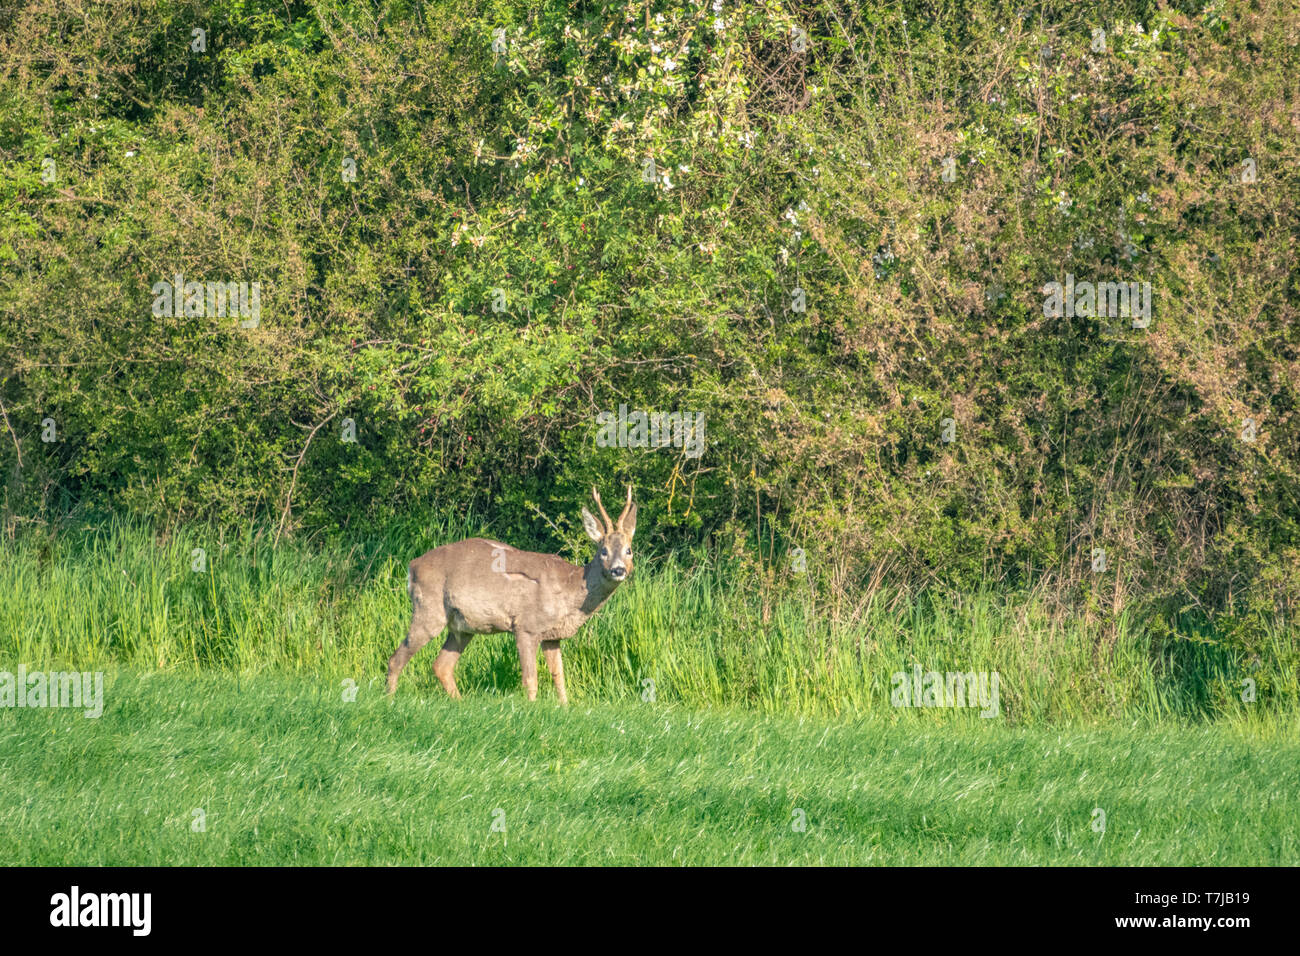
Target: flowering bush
824,227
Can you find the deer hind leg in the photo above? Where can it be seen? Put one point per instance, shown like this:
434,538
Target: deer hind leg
551,651
426,623
528,663
444,665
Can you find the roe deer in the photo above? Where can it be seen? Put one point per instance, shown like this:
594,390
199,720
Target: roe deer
479,586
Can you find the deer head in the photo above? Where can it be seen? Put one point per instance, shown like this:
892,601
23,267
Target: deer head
613,539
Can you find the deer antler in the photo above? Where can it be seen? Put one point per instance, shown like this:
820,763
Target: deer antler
609,525
627,507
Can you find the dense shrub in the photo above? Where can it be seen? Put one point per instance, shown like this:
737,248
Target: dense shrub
918,170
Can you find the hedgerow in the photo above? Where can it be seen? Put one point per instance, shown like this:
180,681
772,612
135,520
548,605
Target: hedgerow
825,227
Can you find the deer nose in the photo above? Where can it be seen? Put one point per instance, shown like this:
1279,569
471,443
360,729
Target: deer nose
619,572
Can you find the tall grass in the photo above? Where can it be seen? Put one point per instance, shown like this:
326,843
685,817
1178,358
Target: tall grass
691,630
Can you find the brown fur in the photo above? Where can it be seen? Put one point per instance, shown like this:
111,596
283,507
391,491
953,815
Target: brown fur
479,586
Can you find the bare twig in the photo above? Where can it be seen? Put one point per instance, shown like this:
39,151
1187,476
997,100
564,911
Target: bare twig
288,499
17,448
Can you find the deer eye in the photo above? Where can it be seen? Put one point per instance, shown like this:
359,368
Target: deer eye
627,550
603,553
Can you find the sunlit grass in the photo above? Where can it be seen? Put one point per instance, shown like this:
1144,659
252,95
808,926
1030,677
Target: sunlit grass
683,630
693,635
281,770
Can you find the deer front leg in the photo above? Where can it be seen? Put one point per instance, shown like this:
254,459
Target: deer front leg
528,663
551,651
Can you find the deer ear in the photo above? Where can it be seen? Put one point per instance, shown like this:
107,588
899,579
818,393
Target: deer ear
628,522
593,528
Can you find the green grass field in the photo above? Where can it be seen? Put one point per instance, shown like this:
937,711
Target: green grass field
286,772
710,718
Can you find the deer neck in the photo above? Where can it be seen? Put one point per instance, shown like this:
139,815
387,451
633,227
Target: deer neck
596,587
